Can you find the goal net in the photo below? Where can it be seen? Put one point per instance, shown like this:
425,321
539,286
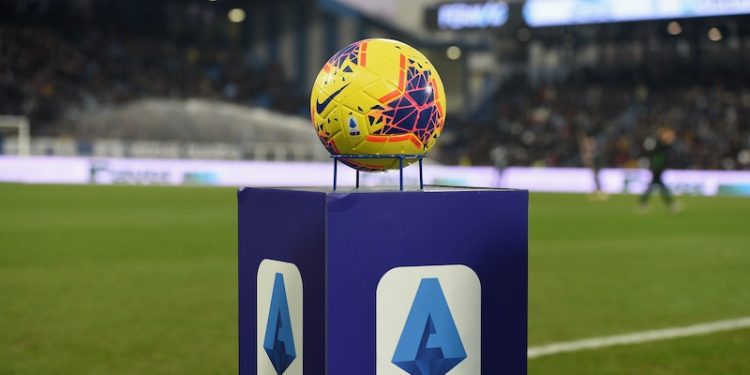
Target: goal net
14,135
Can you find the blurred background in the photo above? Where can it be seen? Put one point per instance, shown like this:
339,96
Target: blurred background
230,80
215,93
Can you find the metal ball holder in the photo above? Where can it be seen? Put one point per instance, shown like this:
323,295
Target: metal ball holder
400,157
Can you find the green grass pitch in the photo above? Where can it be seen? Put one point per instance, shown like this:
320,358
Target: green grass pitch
142,280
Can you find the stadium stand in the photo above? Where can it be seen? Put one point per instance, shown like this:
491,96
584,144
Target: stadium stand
617,83
92,96
539,126
94,69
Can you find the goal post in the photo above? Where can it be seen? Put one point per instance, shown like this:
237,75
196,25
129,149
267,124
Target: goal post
20,126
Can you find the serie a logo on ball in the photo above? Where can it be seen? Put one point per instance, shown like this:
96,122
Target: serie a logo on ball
378,97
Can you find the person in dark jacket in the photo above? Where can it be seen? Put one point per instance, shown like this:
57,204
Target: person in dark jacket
657,150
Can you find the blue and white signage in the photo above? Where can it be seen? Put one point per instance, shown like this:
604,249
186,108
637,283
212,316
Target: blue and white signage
539,13
457,16
405,302
429,321
279,349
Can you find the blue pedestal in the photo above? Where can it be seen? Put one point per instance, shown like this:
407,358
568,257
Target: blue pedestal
429,282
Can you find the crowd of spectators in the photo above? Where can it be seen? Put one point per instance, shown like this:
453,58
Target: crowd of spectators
545,125
44,72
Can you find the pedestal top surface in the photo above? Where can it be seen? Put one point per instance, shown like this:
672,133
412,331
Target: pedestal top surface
383,189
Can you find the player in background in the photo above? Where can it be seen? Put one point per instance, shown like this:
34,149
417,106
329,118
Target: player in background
588,148
657,151
499,156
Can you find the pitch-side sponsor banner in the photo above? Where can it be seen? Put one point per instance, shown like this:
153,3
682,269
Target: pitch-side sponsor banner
83,170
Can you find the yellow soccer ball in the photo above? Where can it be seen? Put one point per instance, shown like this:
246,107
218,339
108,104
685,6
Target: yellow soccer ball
378,97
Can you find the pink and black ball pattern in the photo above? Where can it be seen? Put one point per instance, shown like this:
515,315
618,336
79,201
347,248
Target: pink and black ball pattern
389,101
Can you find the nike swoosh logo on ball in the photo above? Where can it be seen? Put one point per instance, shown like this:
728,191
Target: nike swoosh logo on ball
320,107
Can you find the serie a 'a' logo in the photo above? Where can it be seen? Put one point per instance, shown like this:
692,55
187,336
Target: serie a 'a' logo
279,319
433,330
279,341
429,343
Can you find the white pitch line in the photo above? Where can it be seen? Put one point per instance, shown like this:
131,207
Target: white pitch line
638,337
